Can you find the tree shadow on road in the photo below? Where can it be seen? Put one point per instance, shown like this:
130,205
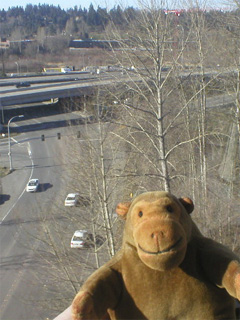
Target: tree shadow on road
4,198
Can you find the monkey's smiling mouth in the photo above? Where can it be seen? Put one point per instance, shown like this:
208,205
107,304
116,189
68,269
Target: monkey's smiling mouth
161,251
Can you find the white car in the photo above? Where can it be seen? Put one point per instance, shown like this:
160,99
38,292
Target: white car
81,239
32,185
72,200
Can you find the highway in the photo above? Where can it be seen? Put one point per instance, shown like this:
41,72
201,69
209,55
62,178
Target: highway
50,87
22,214
46,87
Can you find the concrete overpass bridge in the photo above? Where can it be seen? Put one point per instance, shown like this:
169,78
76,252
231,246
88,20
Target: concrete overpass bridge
42,89
46,88
47,91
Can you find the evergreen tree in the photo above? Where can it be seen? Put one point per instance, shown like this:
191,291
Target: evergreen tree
92,16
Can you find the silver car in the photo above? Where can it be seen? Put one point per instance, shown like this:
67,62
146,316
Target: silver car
81,239
85,239
32,185
72,200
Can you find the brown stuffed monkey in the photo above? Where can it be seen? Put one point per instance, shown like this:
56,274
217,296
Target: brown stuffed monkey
165,270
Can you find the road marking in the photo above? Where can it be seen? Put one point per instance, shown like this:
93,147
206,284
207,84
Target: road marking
37,121
15,141
21,272
14,204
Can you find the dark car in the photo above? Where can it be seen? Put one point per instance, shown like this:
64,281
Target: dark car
23,84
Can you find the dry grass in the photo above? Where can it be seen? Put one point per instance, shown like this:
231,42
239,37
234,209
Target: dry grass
4,171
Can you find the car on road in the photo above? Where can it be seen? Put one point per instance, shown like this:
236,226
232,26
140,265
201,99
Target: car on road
82,239
72,200
23,84
32,185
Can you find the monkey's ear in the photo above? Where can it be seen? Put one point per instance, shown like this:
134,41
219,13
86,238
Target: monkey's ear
188,204
122,209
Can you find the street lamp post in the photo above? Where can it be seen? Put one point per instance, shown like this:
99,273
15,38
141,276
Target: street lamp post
2,116
9,142
17,67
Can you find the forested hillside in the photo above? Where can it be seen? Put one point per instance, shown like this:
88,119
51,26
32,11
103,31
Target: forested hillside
50,30
82,22
77,21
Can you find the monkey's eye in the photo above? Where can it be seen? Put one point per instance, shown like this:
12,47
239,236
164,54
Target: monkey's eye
140,214
169,209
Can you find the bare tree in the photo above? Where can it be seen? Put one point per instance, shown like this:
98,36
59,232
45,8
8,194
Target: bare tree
166,103
154,108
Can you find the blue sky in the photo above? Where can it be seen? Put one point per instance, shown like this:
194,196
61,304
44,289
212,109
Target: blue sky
110,3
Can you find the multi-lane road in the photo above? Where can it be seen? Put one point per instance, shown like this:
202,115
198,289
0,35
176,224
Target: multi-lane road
46,87
42,88
22,295
19,213
56,86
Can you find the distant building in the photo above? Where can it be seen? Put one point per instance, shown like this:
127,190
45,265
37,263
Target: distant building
176,12
4,44
90,43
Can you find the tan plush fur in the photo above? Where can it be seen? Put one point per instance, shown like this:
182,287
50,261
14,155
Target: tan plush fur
165,270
